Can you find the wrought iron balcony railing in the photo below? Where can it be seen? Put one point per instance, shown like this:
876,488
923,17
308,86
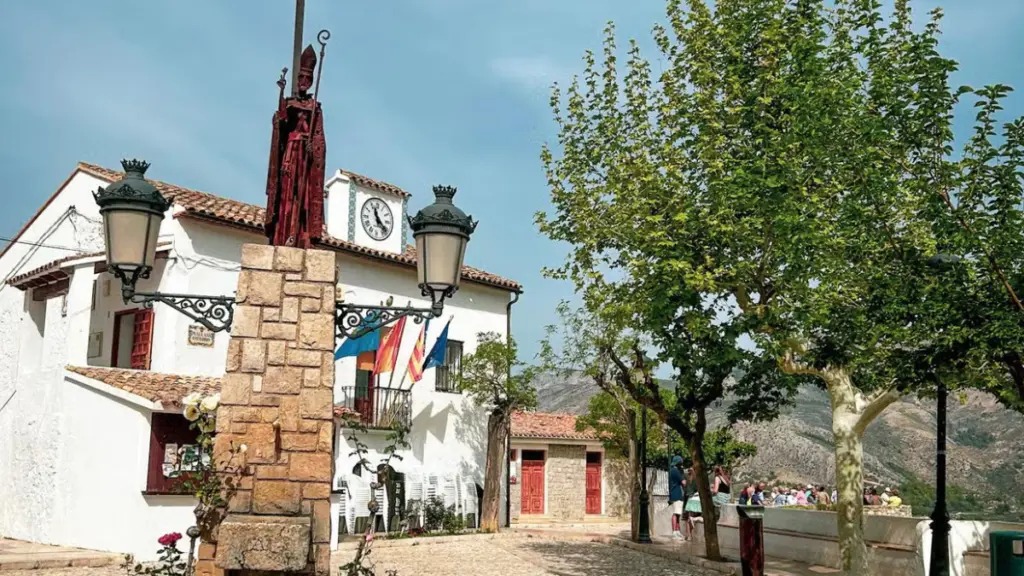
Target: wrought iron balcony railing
377,407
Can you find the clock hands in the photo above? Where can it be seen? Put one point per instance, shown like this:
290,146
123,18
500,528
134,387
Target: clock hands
376,216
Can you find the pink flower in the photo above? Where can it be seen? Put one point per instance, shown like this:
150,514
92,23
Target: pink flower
169,539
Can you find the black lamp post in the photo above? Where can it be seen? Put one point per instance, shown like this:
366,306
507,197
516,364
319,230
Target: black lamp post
133,209
441,231
939,560
644,525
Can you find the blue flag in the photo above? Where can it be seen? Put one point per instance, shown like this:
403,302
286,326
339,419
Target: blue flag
436,356
365,343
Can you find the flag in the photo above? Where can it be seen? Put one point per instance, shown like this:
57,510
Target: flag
416,359
436,356
387,354
366,343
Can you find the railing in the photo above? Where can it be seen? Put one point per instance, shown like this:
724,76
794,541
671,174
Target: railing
378,407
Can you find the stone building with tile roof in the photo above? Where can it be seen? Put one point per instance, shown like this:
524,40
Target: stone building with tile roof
561,473
90,387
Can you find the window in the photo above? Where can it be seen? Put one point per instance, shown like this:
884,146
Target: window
448,373
171,439
132,344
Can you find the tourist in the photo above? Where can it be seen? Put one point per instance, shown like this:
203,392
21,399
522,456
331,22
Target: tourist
884,498
757,498
801,497
782,498
835,496
791,497
720,491
774,496
676,489
894,500
823,496
748,490
693,507
873,498
812,495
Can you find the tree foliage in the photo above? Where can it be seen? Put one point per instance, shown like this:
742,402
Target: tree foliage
786,176
495,378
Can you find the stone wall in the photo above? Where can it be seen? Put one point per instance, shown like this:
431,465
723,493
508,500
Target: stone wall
616,487
896,511
566,479
277,400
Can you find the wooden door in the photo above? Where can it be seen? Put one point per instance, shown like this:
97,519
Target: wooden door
533,483
593,482
142,339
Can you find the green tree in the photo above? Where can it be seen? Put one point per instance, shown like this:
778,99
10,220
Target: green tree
496,380
785,178
704,358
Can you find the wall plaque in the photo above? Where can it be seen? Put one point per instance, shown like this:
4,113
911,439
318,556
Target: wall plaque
199,335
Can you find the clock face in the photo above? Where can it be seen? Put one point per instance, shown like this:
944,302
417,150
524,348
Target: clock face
377,219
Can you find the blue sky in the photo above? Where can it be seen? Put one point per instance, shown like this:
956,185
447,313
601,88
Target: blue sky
416,92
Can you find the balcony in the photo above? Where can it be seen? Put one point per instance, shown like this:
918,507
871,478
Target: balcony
378,407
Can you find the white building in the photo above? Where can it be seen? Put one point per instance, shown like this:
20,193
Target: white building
89,385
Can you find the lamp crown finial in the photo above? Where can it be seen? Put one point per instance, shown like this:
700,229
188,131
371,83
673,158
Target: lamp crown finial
445,193
135,166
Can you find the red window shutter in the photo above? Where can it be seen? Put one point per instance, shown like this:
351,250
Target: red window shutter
142,340
166,429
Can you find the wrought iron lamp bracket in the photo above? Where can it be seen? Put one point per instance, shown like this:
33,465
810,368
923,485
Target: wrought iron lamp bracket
355,320
213,312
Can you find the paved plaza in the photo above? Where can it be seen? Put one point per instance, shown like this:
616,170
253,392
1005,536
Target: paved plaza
520,557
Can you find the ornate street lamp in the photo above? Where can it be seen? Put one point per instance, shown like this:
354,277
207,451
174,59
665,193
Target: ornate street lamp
939,560
132,210
441,231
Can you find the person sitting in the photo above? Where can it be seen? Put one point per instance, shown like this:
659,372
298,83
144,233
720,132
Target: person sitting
812,495
757,498
894,500
884,497
791,498
745,494
801,498
783,498
823,496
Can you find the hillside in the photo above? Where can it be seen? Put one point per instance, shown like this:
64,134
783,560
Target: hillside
985,456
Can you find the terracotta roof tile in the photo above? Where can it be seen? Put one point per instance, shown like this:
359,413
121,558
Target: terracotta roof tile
544,425
54,266
167,389
375,184
223,210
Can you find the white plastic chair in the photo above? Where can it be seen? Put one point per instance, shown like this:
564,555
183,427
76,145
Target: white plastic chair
359,499
469,498
451,496
414,491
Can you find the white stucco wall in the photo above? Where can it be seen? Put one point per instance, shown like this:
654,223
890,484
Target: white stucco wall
343,211
105,509
72,460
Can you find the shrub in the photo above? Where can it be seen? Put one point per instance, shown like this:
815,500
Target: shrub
433,514
453,523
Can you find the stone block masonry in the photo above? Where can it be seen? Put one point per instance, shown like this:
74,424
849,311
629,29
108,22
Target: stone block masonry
566,478
277,401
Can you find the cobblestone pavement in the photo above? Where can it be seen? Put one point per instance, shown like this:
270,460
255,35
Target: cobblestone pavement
524,557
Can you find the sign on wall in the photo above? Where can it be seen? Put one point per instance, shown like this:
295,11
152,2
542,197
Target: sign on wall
95,344
199,335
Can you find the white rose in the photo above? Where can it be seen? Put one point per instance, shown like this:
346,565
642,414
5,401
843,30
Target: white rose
209,404
243,448
192,399
191,412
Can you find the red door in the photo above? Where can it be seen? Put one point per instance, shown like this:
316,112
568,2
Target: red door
142,339
533,482
593,482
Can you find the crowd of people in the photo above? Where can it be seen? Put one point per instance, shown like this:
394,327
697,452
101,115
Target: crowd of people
686,507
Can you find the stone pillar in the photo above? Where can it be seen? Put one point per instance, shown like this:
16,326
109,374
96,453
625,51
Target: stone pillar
277,400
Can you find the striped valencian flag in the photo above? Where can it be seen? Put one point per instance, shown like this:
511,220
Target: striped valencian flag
387,354
416,359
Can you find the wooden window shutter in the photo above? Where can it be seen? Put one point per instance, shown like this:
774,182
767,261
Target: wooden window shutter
142,340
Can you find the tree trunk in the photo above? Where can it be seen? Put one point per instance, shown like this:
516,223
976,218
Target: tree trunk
851,415
707,505
496,430
634,480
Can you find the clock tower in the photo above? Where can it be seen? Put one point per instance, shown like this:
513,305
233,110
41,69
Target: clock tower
365,211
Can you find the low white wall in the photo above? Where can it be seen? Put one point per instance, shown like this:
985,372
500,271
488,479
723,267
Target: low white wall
896,545
105,458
